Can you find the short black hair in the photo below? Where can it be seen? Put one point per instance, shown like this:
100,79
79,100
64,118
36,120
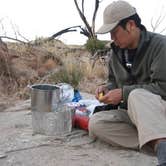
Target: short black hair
136,19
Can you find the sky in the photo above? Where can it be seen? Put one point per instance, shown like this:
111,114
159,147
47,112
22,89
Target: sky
43,18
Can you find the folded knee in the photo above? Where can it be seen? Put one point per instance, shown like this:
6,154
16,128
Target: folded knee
137,94
142,94
100,121
93,123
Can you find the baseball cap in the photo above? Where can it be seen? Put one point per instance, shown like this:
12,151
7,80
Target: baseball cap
114,13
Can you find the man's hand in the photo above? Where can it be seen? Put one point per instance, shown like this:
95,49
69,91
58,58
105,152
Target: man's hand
101,90
112,97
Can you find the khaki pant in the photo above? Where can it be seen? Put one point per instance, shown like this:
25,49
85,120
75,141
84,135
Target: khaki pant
144,121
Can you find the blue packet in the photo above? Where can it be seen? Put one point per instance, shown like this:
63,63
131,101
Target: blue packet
77,96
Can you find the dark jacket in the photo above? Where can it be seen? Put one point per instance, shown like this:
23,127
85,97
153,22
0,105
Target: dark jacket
148,70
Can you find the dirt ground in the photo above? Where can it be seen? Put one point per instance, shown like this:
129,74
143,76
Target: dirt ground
20,147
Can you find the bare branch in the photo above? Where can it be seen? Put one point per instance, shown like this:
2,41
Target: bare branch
10,38
22,36
94,15
83,6
85,32
153,28
2,26
163,30
158,22
16,33
13,27
100,54
64,31
84,19
88,31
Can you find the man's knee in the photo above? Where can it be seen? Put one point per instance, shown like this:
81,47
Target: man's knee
137,94
93,123
99,121
140,94
134,93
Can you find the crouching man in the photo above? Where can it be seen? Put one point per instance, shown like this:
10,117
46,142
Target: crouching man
137,81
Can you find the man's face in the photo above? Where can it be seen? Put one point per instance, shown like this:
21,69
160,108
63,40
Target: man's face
121,37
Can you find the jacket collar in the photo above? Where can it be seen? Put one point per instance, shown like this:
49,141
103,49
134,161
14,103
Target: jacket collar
144,40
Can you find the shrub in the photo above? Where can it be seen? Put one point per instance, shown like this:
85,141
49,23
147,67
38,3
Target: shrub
93,44
71,74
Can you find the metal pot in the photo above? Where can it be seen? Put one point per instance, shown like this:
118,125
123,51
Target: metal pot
45,97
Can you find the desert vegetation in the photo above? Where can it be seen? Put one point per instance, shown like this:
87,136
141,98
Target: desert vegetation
45,61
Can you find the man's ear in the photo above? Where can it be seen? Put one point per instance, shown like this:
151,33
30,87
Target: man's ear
130,25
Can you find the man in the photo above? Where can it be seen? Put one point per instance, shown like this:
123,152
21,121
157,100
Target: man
137,84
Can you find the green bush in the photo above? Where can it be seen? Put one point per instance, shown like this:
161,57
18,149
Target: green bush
72,75
94,44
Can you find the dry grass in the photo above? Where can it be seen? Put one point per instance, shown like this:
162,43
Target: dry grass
7,77
99,70
70,72
52,63
80,74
